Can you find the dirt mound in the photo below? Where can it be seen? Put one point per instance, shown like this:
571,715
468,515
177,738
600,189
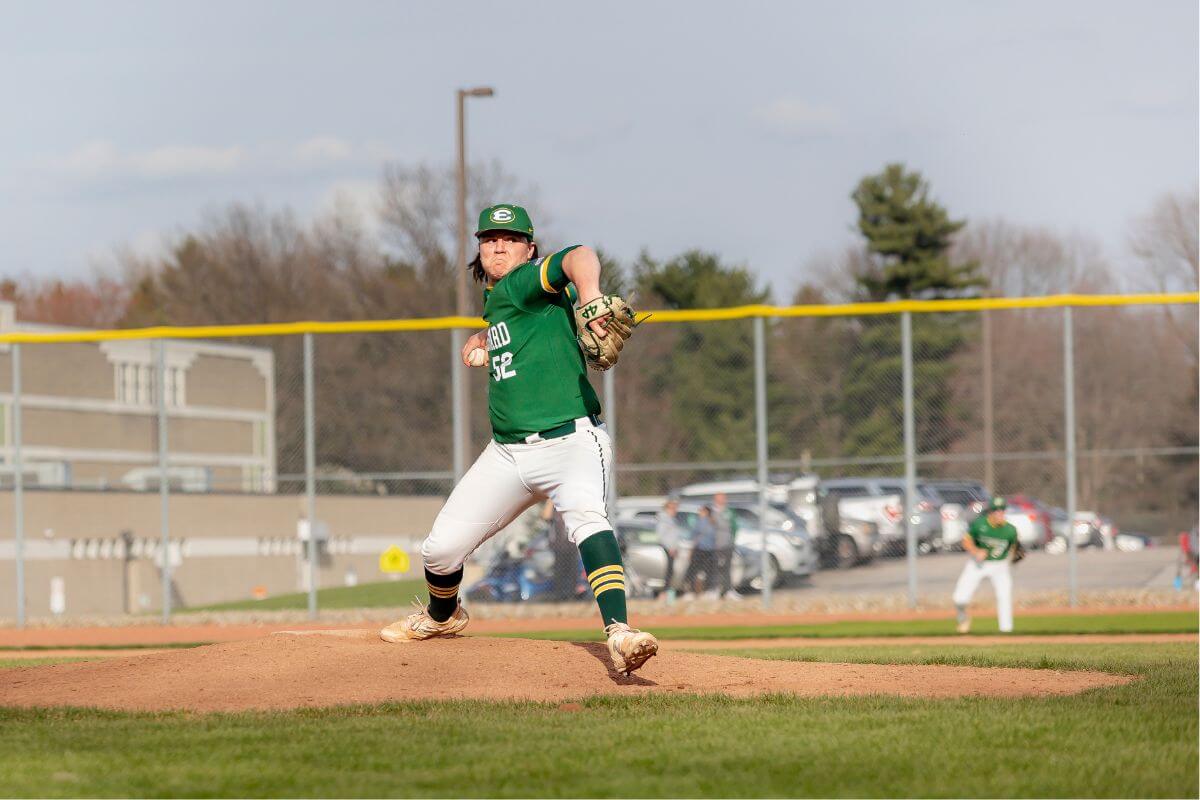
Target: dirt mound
327,668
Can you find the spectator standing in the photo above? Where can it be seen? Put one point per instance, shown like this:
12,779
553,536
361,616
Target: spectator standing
726,526
704,539
669,533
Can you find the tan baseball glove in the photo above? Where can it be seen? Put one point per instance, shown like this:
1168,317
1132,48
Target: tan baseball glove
619,322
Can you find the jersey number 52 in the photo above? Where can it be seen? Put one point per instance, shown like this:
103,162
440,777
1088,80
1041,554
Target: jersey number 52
502,367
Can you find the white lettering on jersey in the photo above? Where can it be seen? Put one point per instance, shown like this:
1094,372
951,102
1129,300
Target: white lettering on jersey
501,367
498,336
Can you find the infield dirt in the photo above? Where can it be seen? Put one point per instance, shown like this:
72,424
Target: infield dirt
329,668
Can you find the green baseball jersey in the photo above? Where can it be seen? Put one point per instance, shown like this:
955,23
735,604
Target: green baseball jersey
538,374
998,542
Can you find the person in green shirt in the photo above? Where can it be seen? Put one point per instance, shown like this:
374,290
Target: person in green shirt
547,438
991,542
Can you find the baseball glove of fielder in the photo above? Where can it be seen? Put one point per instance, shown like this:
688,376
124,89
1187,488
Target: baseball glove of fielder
1018,553
602,353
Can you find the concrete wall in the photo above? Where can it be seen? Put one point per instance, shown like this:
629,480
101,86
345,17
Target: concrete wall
224,546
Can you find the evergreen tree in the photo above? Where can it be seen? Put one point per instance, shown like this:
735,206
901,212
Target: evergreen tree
909,236
702,374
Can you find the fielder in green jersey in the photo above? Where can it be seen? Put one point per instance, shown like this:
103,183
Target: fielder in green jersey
990,542
994,541
547,438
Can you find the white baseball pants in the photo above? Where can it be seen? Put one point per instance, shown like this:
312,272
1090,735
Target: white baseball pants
1000,574
573,471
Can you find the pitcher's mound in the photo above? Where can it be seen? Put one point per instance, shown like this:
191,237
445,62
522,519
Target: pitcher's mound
293,670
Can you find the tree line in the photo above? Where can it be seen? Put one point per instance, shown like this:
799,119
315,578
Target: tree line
686,391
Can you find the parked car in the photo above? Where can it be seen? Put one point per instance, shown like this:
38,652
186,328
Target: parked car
792,550
1129,541
841,540
964,500
881,500
523,572
783,519
646,559
1032,520
1086,530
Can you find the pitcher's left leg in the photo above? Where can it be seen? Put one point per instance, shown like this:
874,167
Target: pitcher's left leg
575,472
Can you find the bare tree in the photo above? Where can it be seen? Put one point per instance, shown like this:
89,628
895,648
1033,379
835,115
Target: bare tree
1021,261
99,303
1166,243
382,396
420,218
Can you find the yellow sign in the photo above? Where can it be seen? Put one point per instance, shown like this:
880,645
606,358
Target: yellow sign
393,560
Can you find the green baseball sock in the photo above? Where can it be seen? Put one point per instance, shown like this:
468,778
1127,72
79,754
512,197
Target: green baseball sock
602,563
443,593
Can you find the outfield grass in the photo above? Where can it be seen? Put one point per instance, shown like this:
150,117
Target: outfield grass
1135,740
1155,622
384,594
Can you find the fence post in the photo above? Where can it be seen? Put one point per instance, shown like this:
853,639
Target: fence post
610,422
164,480
1069,414
310,474
458,410
18,484
910,457
989,407
760,437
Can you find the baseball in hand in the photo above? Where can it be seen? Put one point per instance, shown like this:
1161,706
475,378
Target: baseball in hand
477,357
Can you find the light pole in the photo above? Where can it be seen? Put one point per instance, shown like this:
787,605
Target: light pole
458,382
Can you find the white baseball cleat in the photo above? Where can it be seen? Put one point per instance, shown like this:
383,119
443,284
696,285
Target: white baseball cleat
964,626
420,625
628,647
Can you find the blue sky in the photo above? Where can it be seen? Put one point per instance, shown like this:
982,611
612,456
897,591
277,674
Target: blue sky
737,127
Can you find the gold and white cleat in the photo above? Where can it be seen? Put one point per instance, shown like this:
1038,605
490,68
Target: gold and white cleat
964,626
420,625
628,647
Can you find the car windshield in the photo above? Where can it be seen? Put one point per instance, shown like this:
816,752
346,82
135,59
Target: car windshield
964,497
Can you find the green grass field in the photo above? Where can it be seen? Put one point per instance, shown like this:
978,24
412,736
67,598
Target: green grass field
1051,624
383,594
1136,740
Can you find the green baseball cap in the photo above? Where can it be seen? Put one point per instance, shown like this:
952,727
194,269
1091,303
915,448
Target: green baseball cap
505,217
996,504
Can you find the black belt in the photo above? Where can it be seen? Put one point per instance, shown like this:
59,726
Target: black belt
567,428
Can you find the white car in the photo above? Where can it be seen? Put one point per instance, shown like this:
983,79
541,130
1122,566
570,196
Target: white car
792,551
844,538
964,500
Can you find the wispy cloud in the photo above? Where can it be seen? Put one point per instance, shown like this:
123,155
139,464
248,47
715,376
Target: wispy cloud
798,117
323,149
101,158
174,160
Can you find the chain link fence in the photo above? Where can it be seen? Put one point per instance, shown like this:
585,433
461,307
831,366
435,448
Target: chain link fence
236,508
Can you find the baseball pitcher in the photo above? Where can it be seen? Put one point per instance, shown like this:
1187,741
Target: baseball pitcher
547,437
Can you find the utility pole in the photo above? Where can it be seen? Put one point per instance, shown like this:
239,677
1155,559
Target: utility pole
458,378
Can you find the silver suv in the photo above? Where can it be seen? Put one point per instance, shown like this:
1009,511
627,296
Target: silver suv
881,500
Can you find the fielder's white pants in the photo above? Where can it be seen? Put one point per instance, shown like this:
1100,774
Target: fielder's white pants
1000,574
573,471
